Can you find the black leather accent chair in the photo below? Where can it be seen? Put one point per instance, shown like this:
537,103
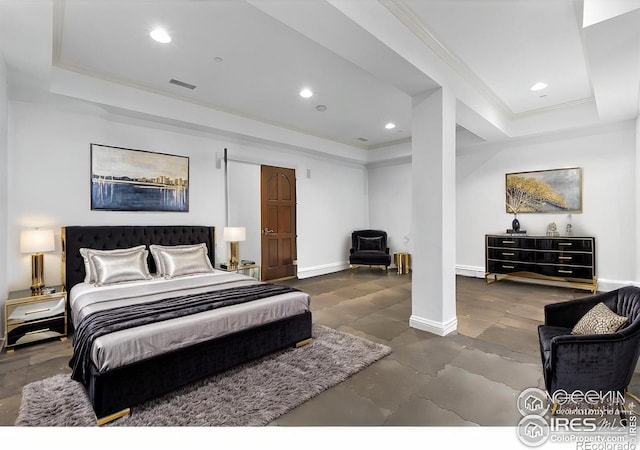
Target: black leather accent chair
369,248
599,362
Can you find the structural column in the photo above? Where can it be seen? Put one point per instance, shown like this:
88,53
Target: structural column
433,291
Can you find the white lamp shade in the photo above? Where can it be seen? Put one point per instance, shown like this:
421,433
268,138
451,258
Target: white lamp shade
37,241
234,234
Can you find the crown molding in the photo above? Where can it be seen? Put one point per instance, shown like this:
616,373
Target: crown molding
408,18
556,107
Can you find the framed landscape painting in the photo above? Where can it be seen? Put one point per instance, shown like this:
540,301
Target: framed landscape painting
544,191
136,180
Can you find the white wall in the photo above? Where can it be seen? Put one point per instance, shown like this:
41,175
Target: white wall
608,158
244,206
3,185
49,183
332,202
390,202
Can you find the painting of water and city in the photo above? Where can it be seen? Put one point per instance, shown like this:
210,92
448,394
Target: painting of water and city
137,180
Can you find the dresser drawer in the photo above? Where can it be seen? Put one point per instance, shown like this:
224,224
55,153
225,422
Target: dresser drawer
565,258
567,244
509,267
511,242
511,254
585,273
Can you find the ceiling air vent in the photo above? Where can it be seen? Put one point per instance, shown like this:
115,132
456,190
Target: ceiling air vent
182,84
361,139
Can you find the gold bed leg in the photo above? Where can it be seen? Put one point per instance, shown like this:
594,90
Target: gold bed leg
114,416
303,343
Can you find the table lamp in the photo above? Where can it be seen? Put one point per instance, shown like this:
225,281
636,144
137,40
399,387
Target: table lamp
233,235
36,242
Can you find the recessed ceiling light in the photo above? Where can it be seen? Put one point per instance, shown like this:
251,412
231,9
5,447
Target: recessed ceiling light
321,108
390,126
306,93
160,35
218,59
538,86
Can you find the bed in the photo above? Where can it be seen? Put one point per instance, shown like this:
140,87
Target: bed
145,359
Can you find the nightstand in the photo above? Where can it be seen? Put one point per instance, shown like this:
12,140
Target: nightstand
253,270
34,317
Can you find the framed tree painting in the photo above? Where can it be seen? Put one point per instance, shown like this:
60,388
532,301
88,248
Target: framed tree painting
136,180
544,191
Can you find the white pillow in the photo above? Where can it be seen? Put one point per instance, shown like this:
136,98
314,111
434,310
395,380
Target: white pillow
120,267
89,269
176,260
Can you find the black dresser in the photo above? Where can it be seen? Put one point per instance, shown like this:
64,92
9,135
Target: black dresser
570,261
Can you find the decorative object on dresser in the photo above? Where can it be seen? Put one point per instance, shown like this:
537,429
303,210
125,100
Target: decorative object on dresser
37,242
569,261
233,235
33,317
515,224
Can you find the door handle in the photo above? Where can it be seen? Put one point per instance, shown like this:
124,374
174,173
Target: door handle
267,231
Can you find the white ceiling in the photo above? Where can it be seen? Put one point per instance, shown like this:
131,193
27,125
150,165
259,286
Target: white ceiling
489,51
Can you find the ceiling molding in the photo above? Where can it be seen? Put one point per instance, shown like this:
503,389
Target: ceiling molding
390,143
566,105
409,19
227,138
117,80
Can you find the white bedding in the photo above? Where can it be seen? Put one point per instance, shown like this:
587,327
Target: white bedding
124,347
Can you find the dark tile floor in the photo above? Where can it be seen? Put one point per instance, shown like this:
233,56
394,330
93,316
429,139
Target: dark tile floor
469,378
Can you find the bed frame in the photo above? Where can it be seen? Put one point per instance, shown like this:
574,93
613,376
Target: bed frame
112,393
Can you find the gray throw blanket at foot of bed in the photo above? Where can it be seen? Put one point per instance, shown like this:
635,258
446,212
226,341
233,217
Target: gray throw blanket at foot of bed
100,323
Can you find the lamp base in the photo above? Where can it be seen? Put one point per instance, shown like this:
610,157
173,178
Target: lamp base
37,273
233,255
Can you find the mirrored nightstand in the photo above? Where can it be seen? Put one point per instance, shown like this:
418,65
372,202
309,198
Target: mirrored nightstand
35,317
253,270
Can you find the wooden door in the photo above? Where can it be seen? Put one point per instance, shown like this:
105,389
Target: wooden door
278,206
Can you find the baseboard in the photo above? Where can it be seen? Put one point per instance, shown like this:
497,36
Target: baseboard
431,326
470,271
604,285
324,269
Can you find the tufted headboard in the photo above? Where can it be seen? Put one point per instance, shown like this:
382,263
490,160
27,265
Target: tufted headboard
110,237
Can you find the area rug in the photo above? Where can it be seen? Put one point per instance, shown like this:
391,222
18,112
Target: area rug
253,394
